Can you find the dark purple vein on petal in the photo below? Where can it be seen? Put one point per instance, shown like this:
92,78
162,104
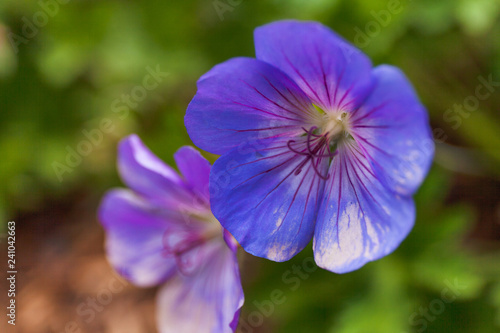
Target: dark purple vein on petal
307,201
264,111
371,126
270,100
323,74
369,113
281,182
342,162
358,162
346,93
299,74
259,160
299,107
263,129
294,197
375,147
263,172
337,85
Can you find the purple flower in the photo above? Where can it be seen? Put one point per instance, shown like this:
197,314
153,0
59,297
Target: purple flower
315,143
162,229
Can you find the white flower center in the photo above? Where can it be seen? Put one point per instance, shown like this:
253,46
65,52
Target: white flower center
335,125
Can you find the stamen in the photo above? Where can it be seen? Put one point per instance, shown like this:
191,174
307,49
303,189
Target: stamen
313,154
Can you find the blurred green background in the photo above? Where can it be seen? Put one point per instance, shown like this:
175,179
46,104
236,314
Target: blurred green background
66,66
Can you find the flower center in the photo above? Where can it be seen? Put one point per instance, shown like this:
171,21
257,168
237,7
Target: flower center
321,141
335,125
183,243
